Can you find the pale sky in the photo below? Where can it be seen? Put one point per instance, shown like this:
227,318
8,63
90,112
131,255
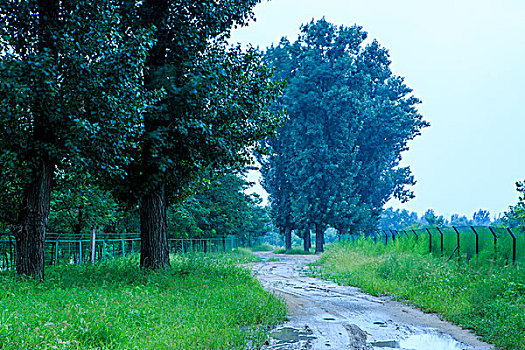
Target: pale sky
465,60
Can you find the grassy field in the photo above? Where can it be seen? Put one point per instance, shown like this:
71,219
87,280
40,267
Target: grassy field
483,295
202,302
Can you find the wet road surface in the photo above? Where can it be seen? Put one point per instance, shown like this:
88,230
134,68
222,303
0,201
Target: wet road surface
324,315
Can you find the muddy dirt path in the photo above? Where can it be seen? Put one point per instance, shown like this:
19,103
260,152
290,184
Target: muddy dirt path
323,315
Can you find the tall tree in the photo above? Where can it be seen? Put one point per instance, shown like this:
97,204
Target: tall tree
277,181
70,90
349,120
214,107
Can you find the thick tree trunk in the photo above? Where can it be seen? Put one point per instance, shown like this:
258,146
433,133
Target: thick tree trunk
288,237
307,243
319,238
30,232
154,253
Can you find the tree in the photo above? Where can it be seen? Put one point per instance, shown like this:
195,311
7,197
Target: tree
277,181
481,218
219,208
70,92
458,220
215,107
515,216
349,120
398,219
78,205
430,219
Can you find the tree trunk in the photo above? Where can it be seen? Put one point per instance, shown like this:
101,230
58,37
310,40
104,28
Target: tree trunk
288,237
307,243
319,238
154,253
30,232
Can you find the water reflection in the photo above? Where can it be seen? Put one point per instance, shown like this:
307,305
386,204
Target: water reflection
432,341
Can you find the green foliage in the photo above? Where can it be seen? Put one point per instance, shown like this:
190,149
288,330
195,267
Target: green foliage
202,302
336,161
398,219
265,247
481,295
216,98
219,207
71,91
293,251
515,216
78,205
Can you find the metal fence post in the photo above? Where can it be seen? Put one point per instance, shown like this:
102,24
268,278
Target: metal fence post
56,253
495,241
104,249
430,240
79,261
477,239
441,233
123,249
458,242
513,245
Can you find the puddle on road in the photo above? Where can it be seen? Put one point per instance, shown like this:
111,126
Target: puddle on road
284,337
432,341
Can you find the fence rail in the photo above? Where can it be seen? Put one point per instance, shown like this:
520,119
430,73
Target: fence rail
65,249
462,241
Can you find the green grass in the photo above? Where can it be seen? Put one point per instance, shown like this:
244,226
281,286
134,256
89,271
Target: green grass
483,295
293,251
202,302
265,247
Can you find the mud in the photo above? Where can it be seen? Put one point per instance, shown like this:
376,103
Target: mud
324,315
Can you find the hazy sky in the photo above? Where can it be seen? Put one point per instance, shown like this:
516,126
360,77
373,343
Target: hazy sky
465,60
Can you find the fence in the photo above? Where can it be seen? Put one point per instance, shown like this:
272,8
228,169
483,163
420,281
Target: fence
68,249
463,241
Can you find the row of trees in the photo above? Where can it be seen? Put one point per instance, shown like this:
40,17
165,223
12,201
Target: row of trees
136,97
336,162
217,207
399,219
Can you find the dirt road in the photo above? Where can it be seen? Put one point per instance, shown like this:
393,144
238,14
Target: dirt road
323,315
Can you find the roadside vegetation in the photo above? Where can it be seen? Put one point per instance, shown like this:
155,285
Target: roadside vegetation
264,247
292,251
202,302
484,295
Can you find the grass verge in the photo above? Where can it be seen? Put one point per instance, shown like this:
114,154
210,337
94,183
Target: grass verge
293,251
202,302
483,295
264,247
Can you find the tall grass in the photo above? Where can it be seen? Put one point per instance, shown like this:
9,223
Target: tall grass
481,294
202,302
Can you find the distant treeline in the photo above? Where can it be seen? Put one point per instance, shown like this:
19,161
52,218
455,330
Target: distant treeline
397,219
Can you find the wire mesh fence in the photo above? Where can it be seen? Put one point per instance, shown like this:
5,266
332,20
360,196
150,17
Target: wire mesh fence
71,249
462,241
